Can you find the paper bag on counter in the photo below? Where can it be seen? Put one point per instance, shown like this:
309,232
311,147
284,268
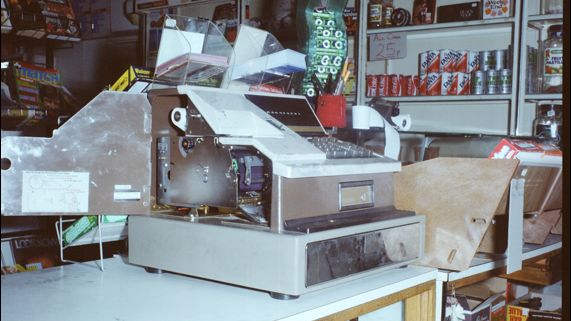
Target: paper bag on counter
459,197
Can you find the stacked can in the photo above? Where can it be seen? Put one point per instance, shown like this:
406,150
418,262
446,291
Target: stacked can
493,77
392,85
446,72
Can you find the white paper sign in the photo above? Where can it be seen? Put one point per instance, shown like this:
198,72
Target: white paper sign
55,192
384,46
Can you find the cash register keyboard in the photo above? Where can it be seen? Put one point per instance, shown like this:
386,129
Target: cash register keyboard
335,148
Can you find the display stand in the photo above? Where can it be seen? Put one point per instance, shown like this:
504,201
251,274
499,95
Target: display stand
104,232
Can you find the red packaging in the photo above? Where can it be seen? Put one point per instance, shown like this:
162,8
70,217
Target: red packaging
473,63
404,84
432,61
422,63
449,83
416,84
434,84
462,61
447,60
422,85
384,84
410,88
372,85
394,85
331,110
463,84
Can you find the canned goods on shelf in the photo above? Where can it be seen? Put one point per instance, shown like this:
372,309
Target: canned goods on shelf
462,60
506,81
492,82
449,83
487,60
432,61
478,82
463,84
500,58
384,84
447,60
394,85
433,84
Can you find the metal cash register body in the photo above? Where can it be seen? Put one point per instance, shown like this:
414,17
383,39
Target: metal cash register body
238,187
309,217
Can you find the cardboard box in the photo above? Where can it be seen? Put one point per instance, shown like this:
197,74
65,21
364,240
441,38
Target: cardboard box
528,152
471,309
496,9
134,79
540,166
491,290
543,272
517,312
30,252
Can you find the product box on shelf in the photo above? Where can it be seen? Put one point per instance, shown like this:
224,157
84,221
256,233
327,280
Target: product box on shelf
459,12
519,310
481,301
540,166
496,9
29,252
38,19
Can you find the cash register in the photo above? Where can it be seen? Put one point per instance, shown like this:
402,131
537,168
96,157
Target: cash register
245,188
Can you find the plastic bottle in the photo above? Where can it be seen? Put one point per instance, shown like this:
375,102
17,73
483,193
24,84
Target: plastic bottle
375,14
548,123
552,60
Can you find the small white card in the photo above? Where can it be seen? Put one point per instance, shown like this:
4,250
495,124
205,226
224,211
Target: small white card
55,192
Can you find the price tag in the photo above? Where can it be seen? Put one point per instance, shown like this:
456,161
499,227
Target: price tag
384,46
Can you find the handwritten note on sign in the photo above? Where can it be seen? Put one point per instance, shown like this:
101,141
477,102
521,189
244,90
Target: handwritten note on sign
384,46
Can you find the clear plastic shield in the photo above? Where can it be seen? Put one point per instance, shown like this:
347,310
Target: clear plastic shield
262,64
192,51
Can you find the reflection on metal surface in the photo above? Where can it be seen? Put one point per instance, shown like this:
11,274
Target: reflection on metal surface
335,258
108,141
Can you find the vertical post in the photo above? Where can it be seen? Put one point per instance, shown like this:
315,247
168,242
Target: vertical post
99,225
515,225
518,26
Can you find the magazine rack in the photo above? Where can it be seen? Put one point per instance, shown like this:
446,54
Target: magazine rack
104,232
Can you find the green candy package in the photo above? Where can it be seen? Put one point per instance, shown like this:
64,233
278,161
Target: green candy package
323,38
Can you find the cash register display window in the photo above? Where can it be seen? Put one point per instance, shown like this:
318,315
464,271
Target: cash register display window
294,112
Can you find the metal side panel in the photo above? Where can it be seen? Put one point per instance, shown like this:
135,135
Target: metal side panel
98,162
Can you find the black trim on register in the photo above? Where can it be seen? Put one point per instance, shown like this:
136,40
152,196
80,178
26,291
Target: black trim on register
338,220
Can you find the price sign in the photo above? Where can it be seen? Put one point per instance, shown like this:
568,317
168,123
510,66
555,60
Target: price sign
384,46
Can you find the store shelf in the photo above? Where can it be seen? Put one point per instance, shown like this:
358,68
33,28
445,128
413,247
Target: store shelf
446,27
483,263
542,20
538,97
420,99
